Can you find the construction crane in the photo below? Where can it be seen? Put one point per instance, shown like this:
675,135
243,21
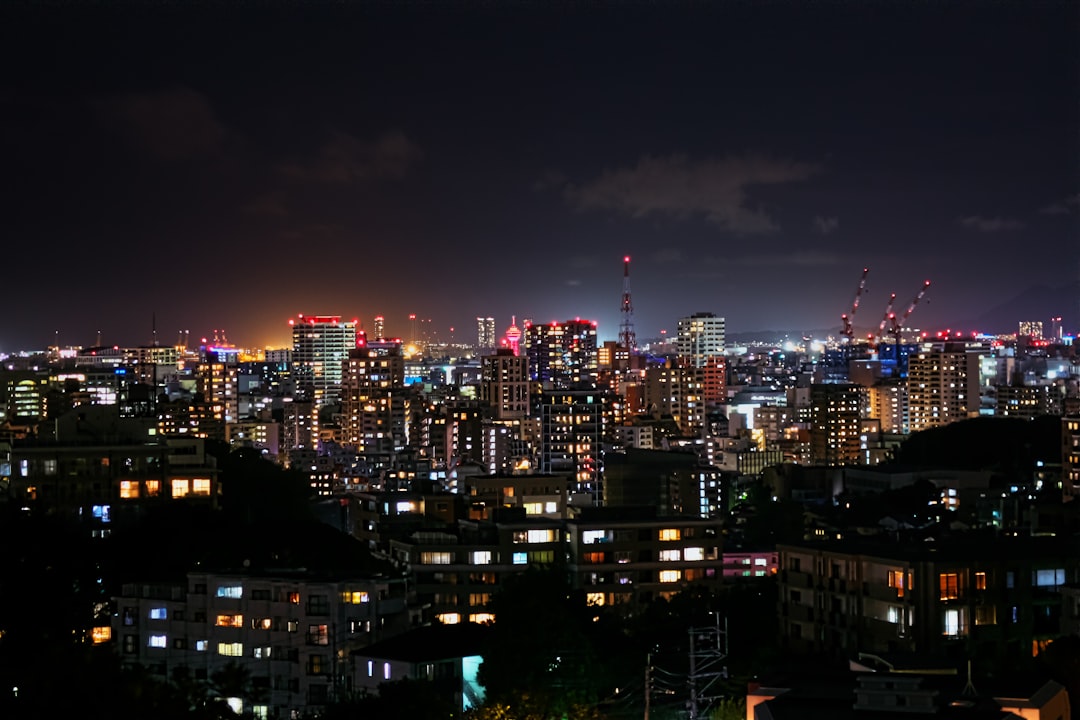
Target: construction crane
898,324
885,319
848,330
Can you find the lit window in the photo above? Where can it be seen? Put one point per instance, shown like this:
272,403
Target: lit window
670,555
595,598
1048,578
449,618
386,671
180,488
261,653
229,621
693,553
481,557
129,489
980,583
955,623
521,558
153,487
318,635
201,645
158,641
896,581
436,558
593,536
159,613
263,623
231,649
949,585
482,618
985,615
101,634
668,534
200,486
230,591
670,576
354,597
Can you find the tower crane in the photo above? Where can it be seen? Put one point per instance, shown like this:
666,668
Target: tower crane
897,325
885,319
847,318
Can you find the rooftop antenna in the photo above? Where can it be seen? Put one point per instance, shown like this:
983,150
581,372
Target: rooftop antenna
969,688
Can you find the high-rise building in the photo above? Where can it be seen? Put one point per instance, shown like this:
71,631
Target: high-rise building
505,385
321,345
485,333
700,337
373,399
836,410
562,355
572,432
943,386
1070,457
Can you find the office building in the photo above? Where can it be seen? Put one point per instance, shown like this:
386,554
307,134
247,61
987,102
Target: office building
321,345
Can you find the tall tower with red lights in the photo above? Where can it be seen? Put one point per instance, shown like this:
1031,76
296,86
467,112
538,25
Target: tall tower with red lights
627,337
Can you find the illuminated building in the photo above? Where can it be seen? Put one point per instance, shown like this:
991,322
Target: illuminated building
999,594
629,557
1070,457
1032,329
99,470
836,411
373,399
217,380
290,631
485,333
505,384
572,433
263,435
700,336
321,345
562,355
888,400
943,386
513,337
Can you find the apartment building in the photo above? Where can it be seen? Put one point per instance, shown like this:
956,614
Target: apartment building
292,633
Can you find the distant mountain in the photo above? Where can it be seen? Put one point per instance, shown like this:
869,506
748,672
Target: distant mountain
1040,302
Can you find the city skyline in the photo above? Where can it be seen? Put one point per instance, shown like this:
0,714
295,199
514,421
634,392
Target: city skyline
196,169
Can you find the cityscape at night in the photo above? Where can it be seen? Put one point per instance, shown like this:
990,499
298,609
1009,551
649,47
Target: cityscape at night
540,361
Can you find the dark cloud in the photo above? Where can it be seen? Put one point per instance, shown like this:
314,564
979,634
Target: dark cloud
825,225
677,186
169,125
989,225
345,158
1065,207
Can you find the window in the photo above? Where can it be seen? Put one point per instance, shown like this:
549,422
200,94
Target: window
985,615
129,489
159,613
261,594
623,556
593,536
593,558
534,508
354,597
201,645
449,618
955,622
949,586
180,488
670,576
542,556
669,534
521,558
481,618
896,582
436,558
294,598
760,561
691,554
230,591
534,536
318,635
200,486
481,557
386,671
229,621
318,605
1048,578
293,626
102,634
670,555
153,487
317,665
479,599
980,584
158,641
231,649
263,623
894,615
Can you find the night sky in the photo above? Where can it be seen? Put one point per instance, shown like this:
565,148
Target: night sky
206,168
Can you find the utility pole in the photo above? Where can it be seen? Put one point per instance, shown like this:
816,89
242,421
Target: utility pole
648,683
708,648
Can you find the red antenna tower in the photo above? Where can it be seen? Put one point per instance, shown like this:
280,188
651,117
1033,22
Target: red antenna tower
627,337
